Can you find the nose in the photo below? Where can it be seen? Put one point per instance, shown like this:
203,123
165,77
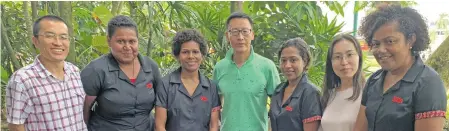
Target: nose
240,36
344,61
57,42
287,64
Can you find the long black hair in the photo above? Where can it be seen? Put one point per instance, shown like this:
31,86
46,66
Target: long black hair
331,80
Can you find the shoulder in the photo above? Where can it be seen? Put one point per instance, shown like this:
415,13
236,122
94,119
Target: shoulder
101,62
267,63
222,63
150,62
430,78
311,88
72,67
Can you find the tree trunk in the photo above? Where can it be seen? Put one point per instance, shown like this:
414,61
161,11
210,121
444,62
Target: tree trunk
29,25
236,6
439,60
65,8
34,10
150,31
132,9
10,50
115,7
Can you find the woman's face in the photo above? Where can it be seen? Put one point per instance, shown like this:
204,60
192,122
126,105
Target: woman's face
292,65
190,56
345,60
124,45
390,47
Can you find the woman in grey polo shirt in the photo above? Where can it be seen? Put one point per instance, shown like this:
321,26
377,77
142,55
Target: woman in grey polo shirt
295,104
187,100
406,94
121,83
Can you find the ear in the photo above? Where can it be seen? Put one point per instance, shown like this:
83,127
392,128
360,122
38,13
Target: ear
227,37
411,40
108,39
251,34
35,41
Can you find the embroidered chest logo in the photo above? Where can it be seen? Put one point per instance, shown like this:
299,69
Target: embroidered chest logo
149,85
397,99
288,108
203,98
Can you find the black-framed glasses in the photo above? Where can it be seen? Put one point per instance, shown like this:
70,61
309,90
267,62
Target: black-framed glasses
236,32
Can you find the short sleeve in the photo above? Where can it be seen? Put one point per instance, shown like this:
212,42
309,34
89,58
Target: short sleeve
216,104
91,81
310,106
161,96
430,98
18,102
272,78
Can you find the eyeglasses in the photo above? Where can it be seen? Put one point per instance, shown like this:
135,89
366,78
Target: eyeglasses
236,32
63,37
340,57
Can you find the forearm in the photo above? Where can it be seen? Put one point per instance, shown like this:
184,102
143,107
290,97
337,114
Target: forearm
15,127
88,102
161,118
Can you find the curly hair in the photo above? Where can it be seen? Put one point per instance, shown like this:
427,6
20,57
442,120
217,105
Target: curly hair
119,22
409,21
186,36
303,49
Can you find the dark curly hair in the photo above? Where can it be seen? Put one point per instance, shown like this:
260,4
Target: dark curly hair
186,36
303,49
119,22
410,23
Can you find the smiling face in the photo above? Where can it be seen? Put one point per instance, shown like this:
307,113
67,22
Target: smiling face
345,60
52,41
124,45
292,65
190,56
240,35
390,47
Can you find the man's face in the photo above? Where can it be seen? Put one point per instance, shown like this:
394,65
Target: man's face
240,34
52,41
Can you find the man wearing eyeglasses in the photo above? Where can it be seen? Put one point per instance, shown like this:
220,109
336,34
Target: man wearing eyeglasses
47,94
245,79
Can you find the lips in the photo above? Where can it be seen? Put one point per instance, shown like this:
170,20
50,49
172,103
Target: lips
383,57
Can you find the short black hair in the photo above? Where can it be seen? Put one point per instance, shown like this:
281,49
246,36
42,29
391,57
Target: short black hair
119,22
186,36
36,25
236,15
303,49
409,21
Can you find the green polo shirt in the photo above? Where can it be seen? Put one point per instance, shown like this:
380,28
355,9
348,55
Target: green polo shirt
245,91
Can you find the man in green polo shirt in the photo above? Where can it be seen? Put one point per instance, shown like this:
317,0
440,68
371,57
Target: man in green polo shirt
245,79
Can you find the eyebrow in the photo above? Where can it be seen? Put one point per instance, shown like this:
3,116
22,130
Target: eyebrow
388,37
348,51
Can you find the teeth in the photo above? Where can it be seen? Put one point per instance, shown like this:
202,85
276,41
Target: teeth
58,50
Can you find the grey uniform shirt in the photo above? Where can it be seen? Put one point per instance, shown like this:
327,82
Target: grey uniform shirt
185,112
419,94
121,104
302,106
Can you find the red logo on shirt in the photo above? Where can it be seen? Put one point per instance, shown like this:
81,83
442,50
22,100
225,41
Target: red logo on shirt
149,85
397,99
203,98
288,108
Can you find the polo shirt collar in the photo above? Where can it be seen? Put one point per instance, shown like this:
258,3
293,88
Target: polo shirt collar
114,66
303,82
230,53
175,77
43,72
412,73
